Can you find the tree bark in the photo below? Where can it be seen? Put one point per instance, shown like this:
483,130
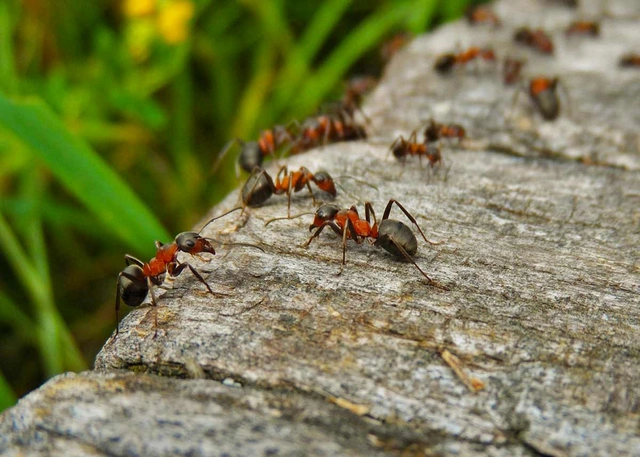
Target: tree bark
527,343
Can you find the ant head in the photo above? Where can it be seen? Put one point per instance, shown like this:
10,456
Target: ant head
325,182
444,63
193,243
250,156
326,212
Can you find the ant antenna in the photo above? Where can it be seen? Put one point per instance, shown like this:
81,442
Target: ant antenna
248,245
283,218
222,154
219,217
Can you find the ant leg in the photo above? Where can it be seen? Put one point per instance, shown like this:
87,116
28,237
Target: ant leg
565,93
368,212
409,258
387,210
118,304
330,224
221,156
155,307
256,174
516,95
180,267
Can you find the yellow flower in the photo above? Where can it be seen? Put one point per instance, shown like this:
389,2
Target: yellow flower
138,8
173,21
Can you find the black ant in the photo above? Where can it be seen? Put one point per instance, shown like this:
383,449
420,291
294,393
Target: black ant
536,39
260,186
511,70
629,61
482,15
445,62
543,93
583,28
402,148
391,235
136,281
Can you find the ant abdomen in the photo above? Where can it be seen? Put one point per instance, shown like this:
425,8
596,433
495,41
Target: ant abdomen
393,233
132,286
258,188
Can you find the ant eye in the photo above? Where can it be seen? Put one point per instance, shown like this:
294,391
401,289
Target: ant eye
190,243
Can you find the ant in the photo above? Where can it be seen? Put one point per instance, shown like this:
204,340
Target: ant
354,92
136,281
436,131
543,93
252,153
536,39
445,62
391,47
583,28
391,235
402,148
260,186
629,61
511,70
327,128
482,15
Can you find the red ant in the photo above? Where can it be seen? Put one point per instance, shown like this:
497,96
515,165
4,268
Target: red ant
136,281
325,129
482,15
252,153
392,235
445,62
391,47
629,61
260,186
542,92
511,70
536,39
402,148
583,28
354,92
436,131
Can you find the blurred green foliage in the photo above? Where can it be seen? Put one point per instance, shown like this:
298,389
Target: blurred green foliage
107,104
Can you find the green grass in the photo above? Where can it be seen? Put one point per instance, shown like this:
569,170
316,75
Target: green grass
108,134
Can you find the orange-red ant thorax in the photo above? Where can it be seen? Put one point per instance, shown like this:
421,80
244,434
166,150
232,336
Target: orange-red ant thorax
511,70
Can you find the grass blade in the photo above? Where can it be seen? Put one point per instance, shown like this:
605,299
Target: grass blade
83,172
7,397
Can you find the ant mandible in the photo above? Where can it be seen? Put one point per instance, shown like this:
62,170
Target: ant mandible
445,62
402,148
260,186
391,235
136,281
535,39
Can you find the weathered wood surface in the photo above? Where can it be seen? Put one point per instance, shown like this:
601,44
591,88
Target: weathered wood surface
541,223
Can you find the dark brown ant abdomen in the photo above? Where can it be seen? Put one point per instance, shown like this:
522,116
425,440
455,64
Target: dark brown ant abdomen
251,156
548,104
133,286
393,233
258,188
